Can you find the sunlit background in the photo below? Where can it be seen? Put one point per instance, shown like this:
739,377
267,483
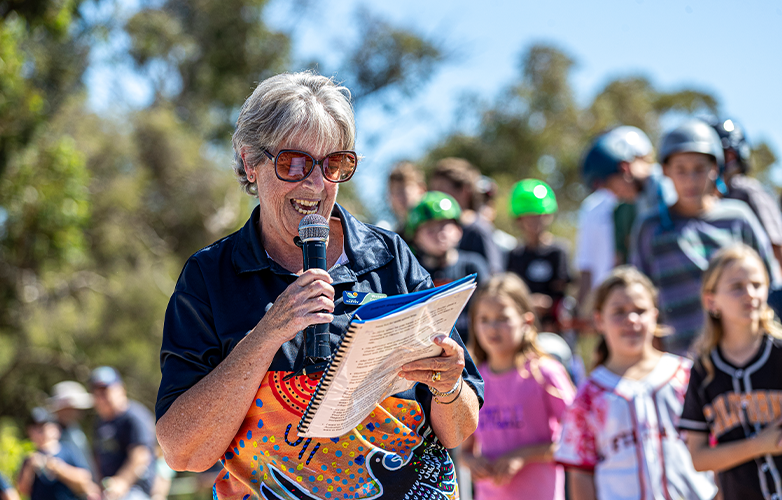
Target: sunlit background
116,117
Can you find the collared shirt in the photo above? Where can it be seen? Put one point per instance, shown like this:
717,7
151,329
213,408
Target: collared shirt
222,293
624,431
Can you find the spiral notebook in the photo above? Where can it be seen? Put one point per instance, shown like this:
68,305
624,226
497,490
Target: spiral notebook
382,336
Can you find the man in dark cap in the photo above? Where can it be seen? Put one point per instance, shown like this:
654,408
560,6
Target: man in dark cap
124,439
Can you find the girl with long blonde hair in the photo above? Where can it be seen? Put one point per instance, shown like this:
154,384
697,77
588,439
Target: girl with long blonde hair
734,401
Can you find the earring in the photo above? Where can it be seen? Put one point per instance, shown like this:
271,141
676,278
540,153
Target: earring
714,314
250,178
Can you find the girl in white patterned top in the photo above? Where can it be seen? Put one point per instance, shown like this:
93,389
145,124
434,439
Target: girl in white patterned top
619,438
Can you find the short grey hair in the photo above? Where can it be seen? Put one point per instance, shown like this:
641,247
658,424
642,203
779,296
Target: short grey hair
289,106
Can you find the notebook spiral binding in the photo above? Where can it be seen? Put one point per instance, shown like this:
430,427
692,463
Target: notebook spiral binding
325,381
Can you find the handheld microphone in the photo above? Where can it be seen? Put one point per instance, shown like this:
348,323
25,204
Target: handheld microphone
313,233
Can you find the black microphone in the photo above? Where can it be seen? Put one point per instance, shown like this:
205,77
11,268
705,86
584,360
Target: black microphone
313,233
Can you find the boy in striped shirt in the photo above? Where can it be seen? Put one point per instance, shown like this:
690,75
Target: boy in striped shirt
675,251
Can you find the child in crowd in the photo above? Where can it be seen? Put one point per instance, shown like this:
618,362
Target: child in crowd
619,438
510,455
736,385
54,470
740,186
539,260
674,253
459,178
406,187
617,167
433,227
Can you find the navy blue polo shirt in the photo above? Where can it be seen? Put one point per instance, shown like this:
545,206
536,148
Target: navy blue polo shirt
225,289
223,292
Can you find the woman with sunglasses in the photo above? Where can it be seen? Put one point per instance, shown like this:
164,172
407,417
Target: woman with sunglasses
231,388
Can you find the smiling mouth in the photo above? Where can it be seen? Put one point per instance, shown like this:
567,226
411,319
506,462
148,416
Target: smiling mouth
305,207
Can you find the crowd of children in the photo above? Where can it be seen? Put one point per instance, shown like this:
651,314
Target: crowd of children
645,423
684,399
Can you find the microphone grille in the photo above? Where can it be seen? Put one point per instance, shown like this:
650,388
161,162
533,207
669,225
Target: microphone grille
313,227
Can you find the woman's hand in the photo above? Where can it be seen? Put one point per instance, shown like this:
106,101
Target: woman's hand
197,430
449,364
454,416
307,301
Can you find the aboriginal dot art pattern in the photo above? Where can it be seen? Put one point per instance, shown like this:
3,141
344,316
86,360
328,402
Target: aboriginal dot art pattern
392,454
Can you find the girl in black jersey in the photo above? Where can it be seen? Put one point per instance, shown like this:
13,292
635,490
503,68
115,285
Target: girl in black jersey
733,404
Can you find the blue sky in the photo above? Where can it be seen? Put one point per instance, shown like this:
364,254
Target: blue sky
732,49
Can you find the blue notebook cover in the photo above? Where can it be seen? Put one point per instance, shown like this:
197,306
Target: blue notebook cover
388,305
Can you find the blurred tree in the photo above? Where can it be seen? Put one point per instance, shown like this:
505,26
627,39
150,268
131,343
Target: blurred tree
762,160
98,213
44,203
44,54
387,59
204,57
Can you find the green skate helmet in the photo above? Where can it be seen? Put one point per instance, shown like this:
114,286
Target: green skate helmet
532,197
433,206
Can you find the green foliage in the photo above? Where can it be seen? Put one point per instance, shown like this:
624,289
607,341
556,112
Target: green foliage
46,202
21,106
53,15
386,58
215,51
42,58
13,449
99,213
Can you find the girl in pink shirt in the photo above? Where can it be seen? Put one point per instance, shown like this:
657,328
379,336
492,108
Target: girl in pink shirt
526,393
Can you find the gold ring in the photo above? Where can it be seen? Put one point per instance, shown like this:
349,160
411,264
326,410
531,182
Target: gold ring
436,376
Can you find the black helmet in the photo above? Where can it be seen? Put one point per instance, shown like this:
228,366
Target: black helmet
694,136
732,137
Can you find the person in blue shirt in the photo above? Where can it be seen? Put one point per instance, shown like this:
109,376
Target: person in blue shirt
7,491
55,471
232,338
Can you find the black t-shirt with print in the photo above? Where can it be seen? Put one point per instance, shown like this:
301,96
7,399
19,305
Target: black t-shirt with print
544,269
737,403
